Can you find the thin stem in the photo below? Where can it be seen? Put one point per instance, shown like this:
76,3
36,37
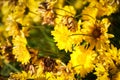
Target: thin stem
77,16
75,66
89,16
80,34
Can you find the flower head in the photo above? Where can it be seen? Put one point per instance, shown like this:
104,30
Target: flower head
82,60
19,50
96,33
61,36
65,38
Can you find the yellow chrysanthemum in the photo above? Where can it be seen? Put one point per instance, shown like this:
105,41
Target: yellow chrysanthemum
65,38
105,7
62,74
19,10
96,33
101,73
113,59
25,76
12,27
107,10
31,13
65,28
20,76
19,50
82,60
62,37
107,63
114,54
104,65
116,77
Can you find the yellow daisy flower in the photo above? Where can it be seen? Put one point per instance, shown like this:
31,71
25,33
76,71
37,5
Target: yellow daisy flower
13,27
19,50
65,28
65,38
96,33
62,37
114,54
107,63
116,77
101,73
82,60
107,10
104,7
18,76
25,76
104,65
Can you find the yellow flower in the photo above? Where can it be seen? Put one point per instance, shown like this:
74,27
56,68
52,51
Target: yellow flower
19,10
105,7
59,75
19,50
101,73
12,28
113,59
5,10
107,63
114,54
66,28
65,38
116,77
62,32
82,60
107,10
25,76
18,76
62,37
96,33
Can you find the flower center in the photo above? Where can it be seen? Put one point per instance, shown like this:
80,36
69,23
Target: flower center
96,33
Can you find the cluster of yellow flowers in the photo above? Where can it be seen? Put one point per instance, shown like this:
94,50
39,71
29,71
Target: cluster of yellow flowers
80,28
87,38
